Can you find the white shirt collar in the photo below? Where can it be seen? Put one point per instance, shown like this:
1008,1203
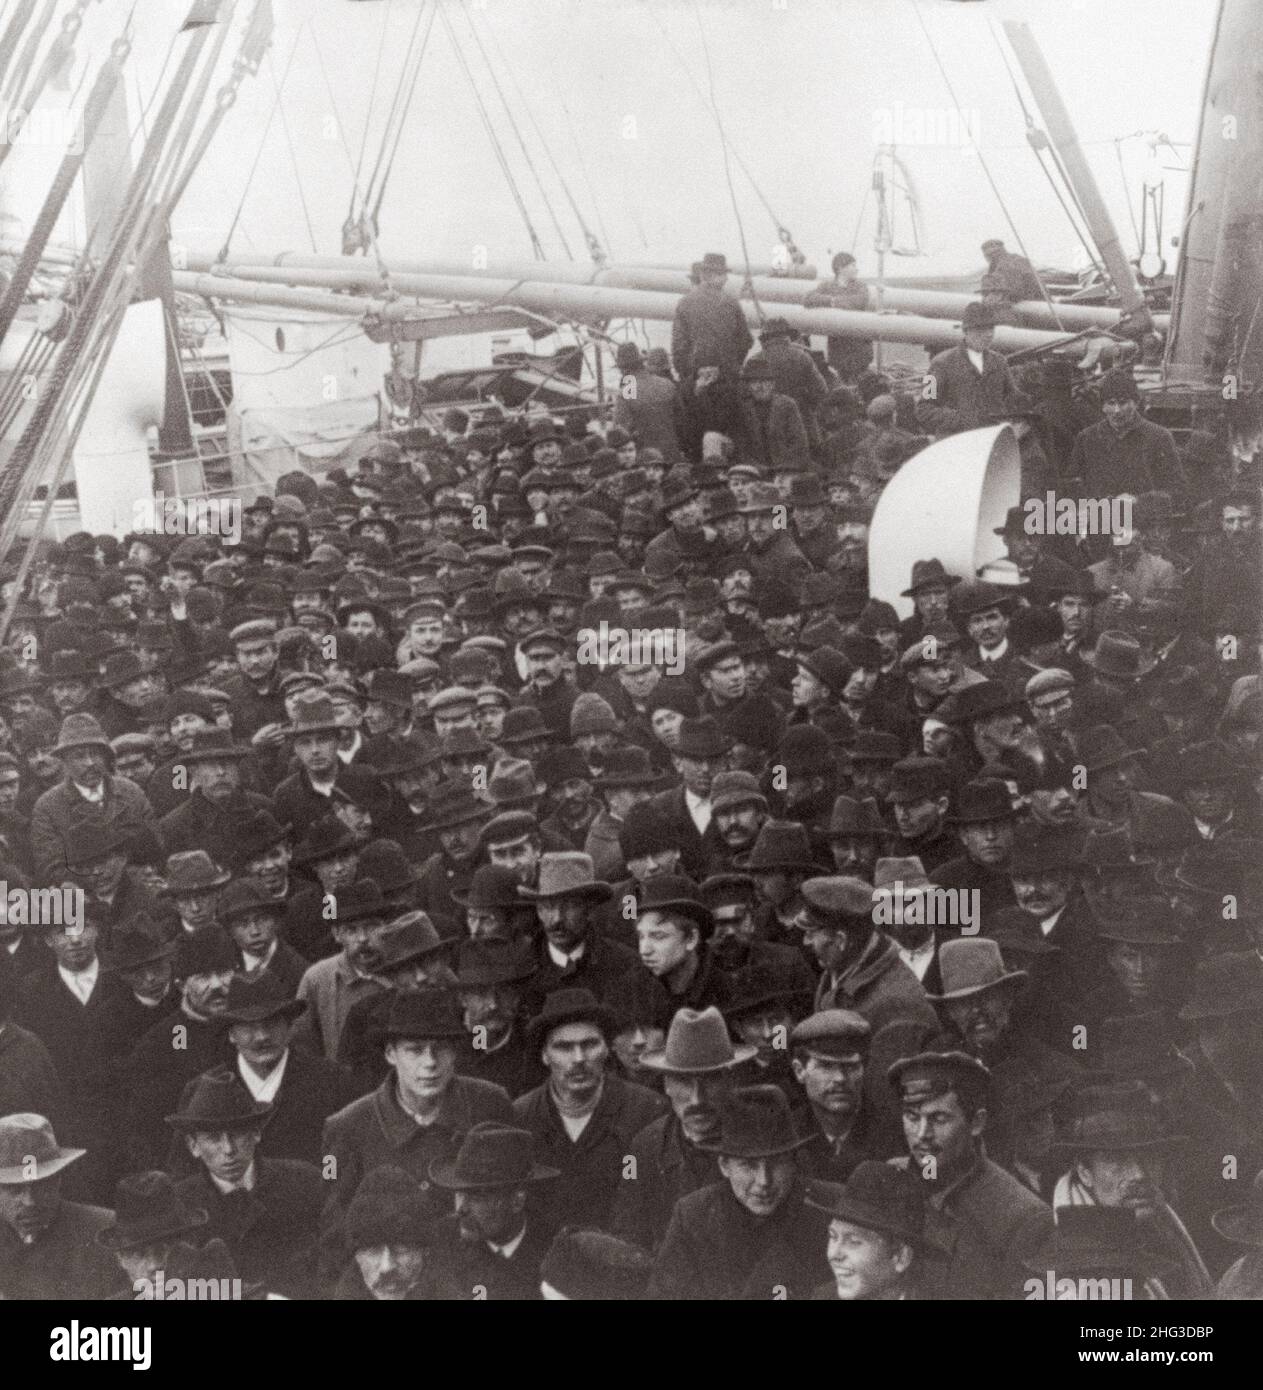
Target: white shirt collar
81,983
347,754
93,794
920,959
561,960
254,964
245,1185
995,653
508,1251
1048,923
699,810
262,1088
976,358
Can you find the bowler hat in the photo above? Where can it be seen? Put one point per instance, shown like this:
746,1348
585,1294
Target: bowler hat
1117,1116
492,1155
805,750
324,839
702,738
631,767
409,938
257,1000
1102,746
427,1013
362,899
29,1151
757,986
852,819
929,574
981,800
782,847
141,942
918,779
876,1196
978,701
454,804
675,893
148,1210
218,1100
566,1006
314,712
755,1122
829,667
874,746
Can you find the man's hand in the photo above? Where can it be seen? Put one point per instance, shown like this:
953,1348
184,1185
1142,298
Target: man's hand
269,736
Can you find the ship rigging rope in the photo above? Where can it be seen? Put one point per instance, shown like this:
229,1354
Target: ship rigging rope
26,59
12,35
530,163
982,160
408,83
293,158
781,230
595,247
536,245
372,101
59,51
723,141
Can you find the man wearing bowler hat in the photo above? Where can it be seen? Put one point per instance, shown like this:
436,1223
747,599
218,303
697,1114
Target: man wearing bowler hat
142,956
303,1088
980,1216
699,1067
266,1210
87,788
208,818
750,1235
585,1115
491,977
493,1245
687,811
876,1235
150,1217
421,1109
984,821
969,386
709,342
672,928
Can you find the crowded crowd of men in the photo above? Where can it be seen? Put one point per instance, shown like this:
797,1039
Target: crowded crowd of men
529,862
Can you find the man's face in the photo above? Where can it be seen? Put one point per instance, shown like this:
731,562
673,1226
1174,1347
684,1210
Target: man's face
825,940
932,603
761,527
932,679
101,877
988,628
573,797
921,817
1209,801
698,773
726,679
767,1028
227,1154
198,909
490,720
494,1215
207,994
863,1261
87,766
453,717
150,980
666,725
854,854
575,1055
833,1085
631,1044
1138,969
1122,415
270,870
317,752
860,685
520,855
654,864
425,635
664,941
1053,805
257,658
261,1043
217,779
389,1272
807,690
739,825
362,942
1042,894
697,1101
29,1208
183,726
69,696
423,1066
73,946
254,931
1120,1178
1003,730
638,680
1053,710
687,516
940,1137
981,1019
565,922
760,1184
988,842
338,870
1236,522
544,665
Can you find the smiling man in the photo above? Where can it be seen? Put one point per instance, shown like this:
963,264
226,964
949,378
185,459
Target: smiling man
876,1227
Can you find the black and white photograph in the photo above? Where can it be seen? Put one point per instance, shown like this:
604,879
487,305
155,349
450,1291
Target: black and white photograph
630,661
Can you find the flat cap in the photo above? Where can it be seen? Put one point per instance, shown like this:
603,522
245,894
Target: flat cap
832,1033
840,894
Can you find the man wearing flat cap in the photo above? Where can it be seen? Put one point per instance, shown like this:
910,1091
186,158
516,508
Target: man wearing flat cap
828,1055
494,1244
699,1066
980,1216
876,1235
48,1245
751,1234
585,1115
422,1108
266,1210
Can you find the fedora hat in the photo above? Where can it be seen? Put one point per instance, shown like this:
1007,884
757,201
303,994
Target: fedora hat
314,712
702,738
1116,1116
255,1001
564,1006
755,1122
984,799
1089,1241
929,574
148,1210
782,847
852,819
29,1151
141,942
218,1100
215,745
492,887
524,724
454,804
697,1043
427,1013
978,701
1103,746
757,986
192,871
567,874
1243,1225
1140,921
81,731
918,779
876,1196
978,596
481,964
324,839
970,965
411,937
1119,655
492,1155
589,1265
362,899
512,782
631,767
